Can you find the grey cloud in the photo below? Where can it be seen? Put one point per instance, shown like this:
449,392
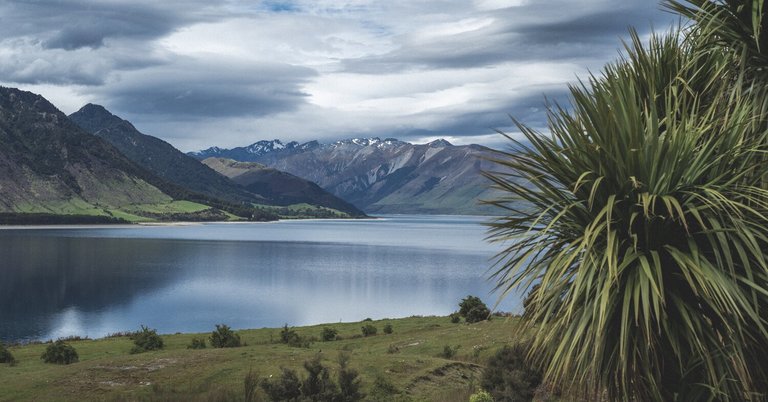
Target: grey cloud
194,90
87,23
520,34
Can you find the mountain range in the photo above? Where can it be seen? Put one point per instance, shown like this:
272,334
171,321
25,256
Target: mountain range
95,167
161,158
382,176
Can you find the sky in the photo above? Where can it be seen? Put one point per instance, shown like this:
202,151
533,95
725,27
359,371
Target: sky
202,73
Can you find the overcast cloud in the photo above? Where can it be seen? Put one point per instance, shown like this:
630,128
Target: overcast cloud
199,73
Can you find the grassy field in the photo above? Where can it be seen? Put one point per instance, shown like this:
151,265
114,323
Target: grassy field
409,358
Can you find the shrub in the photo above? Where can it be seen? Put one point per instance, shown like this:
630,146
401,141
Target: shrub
329,334
473,309
652,268
388,329
318,386
223,337
369,330
146,339
392,349
6,356
286,387
507,376
455,317
481,396
60,352
448,351
197,343
349,383
383,390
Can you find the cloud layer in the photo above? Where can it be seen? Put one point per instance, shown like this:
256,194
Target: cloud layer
228,72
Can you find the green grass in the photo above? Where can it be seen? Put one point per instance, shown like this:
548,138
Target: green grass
164,208
298,211
107,371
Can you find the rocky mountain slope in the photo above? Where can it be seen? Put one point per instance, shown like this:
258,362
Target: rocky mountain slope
50,165
382,176
268,187
158,156
280,187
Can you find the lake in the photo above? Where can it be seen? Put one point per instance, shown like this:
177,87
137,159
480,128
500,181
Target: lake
93,281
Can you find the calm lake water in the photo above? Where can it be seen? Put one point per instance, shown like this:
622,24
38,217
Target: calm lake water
94,281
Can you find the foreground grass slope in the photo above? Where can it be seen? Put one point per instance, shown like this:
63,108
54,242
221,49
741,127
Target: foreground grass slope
409,358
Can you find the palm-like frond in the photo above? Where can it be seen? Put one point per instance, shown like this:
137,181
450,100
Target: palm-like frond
642,220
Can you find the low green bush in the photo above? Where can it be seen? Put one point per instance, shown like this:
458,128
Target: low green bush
329,334
60,352
388,329
369,329
6,356
448,352
508,376
196,343
224,337
145,340
481,396
455,317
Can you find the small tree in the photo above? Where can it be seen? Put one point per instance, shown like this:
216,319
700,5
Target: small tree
349,383
473,309
455,317
223,337
60,352
318,386
146,339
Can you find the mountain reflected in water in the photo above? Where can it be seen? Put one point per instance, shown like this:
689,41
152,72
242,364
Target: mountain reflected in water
96,281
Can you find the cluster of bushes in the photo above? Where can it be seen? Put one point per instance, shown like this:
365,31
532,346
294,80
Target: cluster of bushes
317,385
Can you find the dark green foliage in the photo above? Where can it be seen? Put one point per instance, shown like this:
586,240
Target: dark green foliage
383,390
473,309
60,352
329,334
250,382
388,329
12,218
291,338
508,377
224,337
369,329
448,352
146,339
286,387
349,383
318,385
196,343
455,317
5,355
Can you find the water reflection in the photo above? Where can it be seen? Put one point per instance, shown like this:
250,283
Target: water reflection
97,281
